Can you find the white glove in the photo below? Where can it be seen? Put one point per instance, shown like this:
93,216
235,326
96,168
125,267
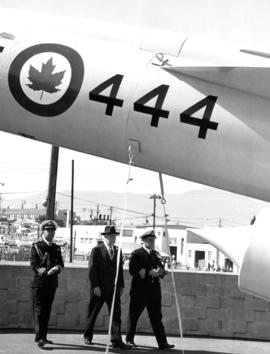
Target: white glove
53,270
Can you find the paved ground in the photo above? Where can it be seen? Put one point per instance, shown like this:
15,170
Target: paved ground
66,343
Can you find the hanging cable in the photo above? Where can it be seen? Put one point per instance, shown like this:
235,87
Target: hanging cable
129,179
167,248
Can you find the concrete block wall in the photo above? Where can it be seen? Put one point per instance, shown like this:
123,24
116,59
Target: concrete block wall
210,304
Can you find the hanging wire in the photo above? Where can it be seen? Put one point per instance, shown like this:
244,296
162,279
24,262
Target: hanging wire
163,202
129,179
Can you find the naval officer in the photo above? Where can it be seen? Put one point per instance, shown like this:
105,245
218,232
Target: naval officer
46,262
146,269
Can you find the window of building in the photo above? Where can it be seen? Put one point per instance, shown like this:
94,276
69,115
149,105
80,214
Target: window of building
190,253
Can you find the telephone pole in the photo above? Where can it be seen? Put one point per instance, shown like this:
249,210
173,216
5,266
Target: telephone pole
52,183
154,197
111,211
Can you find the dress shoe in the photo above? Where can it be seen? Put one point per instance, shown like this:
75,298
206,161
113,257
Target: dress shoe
41,342
132,344
121,345
47,341
88,341
166,346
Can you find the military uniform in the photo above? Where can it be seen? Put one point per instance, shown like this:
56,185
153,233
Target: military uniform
46,262
145,291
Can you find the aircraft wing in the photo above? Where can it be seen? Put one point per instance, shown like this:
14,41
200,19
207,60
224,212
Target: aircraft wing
254,80
248,247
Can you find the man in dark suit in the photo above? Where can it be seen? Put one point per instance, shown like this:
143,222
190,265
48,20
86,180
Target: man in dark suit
102,274
46,262
146,269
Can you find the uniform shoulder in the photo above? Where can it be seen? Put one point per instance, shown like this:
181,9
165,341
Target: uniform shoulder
56,246
137,251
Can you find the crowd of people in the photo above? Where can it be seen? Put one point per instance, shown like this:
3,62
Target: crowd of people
105,273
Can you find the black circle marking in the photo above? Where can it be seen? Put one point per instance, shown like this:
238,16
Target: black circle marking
60,106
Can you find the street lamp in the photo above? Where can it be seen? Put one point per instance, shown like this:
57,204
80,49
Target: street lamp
154,197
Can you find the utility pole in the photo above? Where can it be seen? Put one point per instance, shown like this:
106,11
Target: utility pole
154,197
111,211
97,214
71,212
52,183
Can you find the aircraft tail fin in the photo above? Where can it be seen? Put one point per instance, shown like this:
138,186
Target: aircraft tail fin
253,80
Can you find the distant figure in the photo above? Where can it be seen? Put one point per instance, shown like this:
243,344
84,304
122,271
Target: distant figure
102,273
146,268
46,262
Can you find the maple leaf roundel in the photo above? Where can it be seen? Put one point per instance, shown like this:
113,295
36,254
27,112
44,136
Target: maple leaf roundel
46,78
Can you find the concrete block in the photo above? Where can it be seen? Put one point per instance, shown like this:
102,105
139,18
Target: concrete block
3,294
66,321
58,307
187,301
71,307
190,324
19,294
25,320
60,295
241,315
219,314
256,304
213,301
8,283
193,312
12,306
200,289
23,283
168,300
25,306
72,296
13,320
4,318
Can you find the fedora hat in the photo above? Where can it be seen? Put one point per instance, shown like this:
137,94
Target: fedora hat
110,230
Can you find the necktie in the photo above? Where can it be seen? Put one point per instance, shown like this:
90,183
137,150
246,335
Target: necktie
111,252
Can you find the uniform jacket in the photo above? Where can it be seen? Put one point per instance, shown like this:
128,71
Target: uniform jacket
102,270
148,286
44,257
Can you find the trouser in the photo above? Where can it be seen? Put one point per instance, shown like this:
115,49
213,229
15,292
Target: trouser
42,305
94,307
136,307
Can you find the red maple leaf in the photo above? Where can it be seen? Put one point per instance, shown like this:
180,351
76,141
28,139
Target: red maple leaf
45,80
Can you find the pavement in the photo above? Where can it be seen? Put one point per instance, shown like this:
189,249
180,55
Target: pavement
15,342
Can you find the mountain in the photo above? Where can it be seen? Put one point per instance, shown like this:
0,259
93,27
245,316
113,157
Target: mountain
207,206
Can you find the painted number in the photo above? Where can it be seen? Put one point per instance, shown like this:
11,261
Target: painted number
110,100
156,112
204,123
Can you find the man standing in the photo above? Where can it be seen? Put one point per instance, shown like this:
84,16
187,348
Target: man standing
46,262
146,269
102,273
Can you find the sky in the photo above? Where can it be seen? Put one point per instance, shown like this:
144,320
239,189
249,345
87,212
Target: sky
24,164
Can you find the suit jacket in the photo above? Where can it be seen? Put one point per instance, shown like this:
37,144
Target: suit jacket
148,286
102,270
42,258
